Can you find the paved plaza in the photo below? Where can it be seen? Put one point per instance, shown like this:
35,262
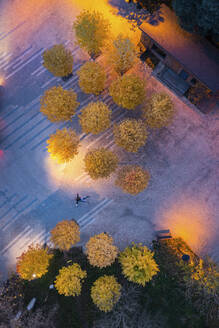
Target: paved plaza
36,193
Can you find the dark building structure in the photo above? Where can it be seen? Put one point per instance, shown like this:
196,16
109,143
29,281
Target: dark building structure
185,62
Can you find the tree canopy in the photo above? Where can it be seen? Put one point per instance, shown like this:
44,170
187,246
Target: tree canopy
130,134
128,91
65,234
95,118
68,281
138,264
105,292
91,29
58,60
59,104
159,111
132,179
121,54
204,14
63,145
100,163
100,250
92,78
33,263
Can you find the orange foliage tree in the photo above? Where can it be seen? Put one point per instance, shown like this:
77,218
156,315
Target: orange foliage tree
58,60
130,134
63,145
95,118
159,110
65,234
59,104
100,250
105,292
68,281
100,163
33,263
92,78
128,91
132,179
91,30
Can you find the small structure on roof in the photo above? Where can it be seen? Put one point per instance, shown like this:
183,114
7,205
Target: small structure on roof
185,62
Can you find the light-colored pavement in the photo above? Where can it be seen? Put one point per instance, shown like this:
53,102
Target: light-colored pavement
36,193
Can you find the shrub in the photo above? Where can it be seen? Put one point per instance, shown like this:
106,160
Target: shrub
65,234
100,163
138,264
91,29
68,281
92,78
100,250
159,111
105,292
63,145
132,179
95,118
130,134
33,263
122,54
127,91
59,104
58,60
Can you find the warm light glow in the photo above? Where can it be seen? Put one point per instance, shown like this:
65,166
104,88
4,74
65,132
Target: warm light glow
65,175
188,220
119,24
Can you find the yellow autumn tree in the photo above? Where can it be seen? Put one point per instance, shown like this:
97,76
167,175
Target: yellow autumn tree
132,179
128,91
106,292
130,134
138,264
100,250
159,110
59,104
63,145
58,60
68,282
91,30
95,118
121,54
100,163
65,234
92,78
33,263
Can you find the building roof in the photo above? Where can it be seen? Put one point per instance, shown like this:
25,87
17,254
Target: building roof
196,54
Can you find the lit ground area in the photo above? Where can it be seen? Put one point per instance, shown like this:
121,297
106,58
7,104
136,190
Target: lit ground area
36,193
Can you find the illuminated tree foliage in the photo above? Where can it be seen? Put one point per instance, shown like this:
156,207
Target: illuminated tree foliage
138,264
105,292
159,111
92,30
122,54
130,134
100,163
65,234
132,179
58,60
33,263
100,250
92,78
63,145
128,91
95,118
59,104
68,282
